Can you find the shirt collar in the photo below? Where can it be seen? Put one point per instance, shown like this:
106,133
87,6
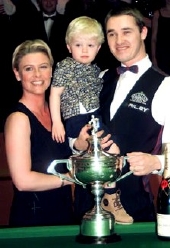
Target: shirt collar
45,15
143,65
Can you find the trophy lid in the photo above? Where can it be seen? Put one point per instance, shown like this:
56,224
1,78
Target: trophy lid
94,150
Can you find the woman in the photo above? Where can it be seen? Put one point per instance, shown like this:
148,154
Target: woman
39,198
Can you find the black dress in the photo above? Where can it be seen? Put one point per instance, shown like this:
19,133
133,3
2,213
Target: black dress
51,207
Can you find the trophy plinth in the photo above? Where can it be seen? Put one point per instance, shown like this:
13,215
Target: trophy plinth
97,225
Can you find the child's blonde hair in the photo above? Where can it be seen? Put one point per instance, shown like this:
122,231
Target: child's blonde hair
85,25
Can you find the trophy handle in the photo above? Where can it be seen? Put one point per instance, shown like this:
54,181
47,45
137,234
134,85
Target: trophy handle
52,169
127,173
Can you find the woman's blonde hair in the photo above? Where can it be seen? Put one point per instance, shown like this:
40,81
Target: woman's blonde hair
30,46
85,25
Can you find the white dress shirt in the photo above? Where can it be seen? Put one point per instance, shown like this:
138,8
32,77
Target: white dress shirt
48,23
160,105
161,101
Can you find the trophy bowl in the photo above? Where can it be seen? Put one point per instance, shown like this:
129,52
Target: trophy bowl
89,169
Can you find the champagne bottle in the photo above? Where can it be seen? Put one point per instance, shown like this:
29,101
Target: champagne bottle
163,199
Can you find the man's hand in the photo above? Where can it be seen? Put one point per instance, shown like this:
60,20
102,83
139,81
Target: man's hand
81,143
143,163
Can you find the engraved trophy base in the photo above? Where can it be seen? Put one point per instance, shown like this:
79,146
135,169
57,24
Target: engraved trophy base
82,239
97,227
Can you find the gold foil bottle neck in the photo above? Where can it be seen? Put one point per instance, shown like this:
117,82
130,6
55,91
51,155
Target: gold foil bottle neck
166,152
166,148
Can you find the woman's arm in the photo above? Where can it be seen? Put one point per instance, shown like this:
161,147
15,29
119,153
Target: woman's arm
18,151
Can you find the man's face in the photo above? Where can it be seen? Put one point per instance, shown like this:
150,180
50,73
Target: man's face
48,6
125,40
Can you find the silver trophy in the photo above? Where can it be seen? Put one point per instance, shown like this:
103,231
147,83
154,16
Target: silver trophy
94,167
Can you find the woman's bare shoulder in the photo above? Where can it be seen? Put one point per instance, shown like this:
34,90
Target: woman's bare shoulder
16,120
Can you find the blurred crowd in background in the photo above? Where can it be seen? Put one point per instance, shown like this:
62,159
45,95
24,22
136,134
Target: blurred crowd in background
21,20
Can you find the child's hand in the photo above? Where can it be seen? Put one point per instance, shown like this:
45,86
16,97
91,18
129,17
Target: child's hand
58,132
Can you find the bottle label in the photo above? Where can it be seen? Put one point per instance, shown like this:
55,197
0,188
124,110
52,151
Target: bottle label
163,225
165,186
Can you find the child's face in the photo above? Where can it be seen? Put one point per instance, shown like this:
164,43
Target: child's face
83,48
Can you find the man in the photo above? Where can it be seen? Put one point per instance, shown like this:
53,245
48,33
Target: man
48,8
41,21
134,106
55,26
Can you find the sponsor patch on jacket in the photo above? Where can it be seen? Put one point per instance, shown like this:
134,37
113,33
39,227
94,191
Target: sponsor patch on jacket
138,101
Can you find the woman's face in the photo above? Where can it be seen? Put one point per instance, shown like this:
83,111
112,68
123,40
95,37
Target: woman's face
34,73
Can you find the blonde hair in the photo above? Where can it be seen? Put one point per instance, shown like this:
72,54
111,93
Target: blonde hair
30,46
85,25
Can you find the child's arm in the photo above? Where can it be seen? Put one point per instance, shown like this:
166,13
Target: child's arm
58,132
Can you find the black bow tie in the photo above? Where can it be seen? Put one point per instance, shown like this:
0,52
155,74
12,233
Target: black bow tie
49,17
122,69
